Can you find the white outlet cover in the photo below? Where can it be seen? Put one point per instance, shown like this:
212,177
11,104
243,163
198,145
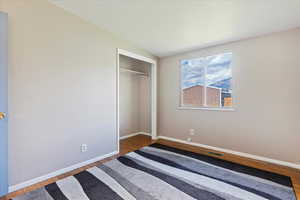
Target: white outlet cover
84,147
189,139
192,132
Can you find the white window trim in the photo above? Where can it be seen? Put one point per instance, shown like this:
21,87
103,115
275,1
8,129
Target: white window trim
205,107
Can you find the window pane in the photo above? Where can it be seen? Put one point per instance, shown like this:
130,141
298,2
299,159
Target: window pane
192,82
218,81
206,82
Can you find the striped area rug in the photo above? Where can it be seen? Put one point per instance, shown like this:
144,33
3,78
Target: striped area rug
162,172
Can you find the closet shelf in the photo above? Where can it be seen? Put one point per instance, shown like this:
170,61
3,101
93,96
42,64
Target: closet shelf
132,71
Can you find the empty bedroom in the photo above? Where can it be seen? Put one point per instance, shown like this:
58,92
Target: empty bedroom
149,100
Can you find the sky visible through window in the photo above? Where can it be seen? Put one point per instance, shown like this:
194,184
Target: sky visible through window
218,71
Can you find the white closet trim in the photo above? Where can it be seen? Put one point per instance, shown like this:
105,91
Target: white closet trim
153,92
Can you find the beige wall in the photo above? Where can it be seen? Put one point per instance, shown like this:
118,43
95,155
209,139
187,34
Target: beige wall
266,89
134,98
62,89
145,104
129,104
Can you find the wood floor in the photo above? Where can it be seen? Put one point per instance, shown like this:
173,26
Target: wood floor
139,141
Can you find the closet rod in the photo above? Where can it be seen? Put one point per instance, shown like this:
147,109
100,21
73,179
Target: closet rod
132,71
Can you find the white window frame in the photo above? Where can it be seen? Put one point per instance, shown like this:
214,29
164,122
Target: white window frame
204,107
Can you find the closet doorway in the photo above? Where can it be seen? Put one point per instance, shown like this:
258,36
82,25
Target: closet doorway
136,95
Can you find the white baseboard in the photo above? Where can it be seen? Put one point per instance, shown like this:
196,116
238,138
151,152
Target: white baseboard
22,185
134,134
247,155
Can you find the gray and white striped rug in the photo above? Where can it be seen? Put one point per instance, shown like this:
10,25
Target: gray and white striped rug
161,172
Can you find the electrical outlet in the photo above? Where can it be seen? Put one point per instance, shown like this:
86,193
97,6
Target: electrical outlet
84,148
192,132
189,139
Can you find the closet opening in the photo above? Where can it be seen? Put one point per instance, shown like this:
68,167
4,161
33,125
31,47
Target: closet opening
136,95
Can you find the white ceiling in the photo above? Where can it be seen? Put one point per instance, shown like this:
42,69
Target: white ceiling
166,27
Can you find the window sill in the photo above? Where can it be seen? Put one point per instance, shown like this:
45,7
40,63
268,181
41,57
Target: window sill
207,108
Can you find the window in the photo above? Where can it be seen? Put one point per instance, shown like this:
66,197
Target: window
206,82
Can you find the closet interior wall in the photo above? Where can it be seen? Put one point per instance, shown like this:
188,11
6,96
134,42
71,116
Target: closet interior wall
135,96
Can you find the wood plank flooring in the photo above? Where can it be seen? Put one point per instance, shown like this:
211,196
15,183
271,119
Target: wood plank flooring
139,141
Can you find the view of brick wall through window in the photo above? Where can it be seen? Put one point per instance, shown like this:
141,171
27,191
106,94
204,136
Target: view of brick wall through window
193,96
